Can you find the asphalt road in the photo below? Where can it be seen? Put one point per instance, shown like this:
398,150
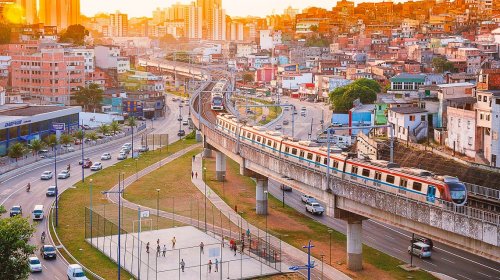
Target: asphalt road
390,240
13,187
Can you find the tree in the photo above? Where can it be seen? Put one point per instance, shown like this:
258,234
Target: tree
17,151
79,134
115,127
92,136
248,77
372,84
51,140
15,234
103,129
342,98
66,139
74,34
441,64
36,146
89,97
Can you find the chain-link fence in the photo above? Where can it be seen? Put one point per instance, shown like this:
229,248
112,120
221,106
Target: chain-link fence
237,248
153,140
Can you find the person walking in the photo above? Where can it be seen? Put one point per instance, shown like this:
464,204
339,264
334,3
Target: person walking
182,263
209,266
192,174
201,248
158,249
173,242
147,248
196,175
164,249
158,242
217,265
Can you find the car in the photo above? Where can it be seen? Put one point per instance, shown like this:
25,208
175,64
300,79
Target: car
314,207
51,191
16,210
80,162
287,108
179,119
87,164
106,156
125,151
65,174
285,188
424,240
48,252
43,153
122,156
46,175
336,124
303,108
278,127
303,113
185,122
70,149
35,265
420,249
75,272
285,122
181,132
96,166
306,197
127,146
144,149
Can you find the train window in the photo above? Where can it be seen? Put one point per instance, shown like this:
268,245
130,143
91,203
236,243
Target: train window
390,179
403,183
269,143
366,172
287,150
378,176
309,156
263,140
325,161
253,137
275,145
294,151
417,186
335,164
318,159
354,169
258,139
301,154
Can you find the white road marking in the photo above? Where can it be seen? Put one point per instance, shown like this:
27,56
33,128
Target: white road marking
484,274
399,250
464,276
57,278
447,260
44,266
429,263
388,236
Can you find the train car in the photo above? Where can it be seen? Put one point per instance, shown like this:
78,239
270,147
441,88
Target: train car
416,184
217,98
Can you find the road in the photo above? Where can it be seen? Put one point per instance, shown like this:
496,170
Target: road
390,240
13,188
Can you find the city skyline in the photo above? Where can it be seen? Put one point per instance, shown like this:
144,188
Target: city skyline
233,8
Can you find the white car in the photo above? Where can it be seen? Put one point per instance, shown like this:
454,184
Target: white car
96,166
46,175
75,272
127,146
35,264
314,208
306,197
64,174
106,156
185,122
122,156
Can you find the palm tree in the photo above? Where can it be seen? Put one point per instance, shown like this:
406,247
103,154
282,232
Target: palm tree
66,139
92,136
132,122
103,129
79,135
115,127
17,151
51,140
36,146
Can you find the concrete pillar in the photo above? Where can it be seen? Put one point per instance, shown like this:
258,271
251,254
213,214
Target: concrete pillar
261,197
354,245
207,153
199,136
220,166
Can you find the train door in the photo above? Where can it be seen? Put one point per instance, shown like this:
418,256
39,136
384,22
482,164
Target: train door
431,194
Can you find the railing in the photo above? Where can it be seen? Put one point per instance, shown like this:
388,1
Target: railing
483,191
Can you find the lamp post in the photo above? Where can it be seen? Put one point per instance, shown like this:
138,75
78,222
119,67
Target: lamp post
83,144
205,181
157,206
55,180
91,209
267,213
330,231
322,257
136,170
223,180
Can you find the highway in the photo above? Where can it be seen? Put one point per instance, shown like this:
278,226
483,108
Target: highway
13,188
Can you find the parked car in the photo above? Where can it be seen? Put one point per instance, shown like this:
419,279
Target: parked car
305,198
51,191
122,156
127,146
80,162
144,149
70,149
96,166
15,210
35,265
420,249
285,188
285,122
106,156
48,252
278,127
424,240
336,124
87,164
43,153
46,175
314,208
64,174
303,113
181,132
185,122
75,272
125,151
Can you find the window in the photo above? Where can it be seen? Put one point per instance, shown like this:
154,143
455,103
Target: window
366,172
459,122
269,143
497,101
470,141
422,118
301,154
318,158
294,151
258,139
417,186
403,183
481,116
309,156
485,98
479,97
389,179
488,117
335,164
263,140
325,161
354,169
378,176
468,124
412,118
275,145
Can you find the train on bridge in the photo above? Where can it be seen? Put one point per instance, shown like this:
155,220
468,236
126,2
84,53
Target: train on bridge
413,183
217,98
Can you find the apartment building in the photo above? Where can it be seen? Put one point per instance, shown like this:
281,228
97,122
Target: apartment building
109,57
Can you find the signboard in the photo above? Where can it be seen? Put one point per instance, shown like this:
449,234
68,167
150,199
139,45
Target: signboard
145,214
58,126
133,108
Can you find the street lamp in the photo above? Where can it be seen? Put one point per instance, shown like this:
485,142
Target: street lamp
330,231
157,206
205,181
91,209
322,257
267,213
223,180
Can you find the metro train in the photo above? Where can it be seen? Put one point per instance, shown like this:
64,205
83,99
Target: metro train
413,183
217,98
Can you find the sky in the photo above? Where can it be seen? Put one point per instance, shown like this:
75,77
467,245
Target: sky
135,8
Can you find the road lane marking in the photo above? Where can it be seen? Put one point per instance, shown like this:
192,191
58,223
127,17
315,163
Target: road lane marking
429,263
389,237
464,276
484,274
44,266
447,260
399,250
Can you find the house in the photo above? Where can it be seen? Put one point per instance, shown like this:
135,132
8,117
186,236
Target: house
409,123
461,127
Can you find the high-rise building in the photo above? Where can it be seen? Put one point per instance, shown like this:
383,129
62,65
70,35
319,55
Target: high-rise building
29,9
213,19
218,31
60,13
118,25
193,22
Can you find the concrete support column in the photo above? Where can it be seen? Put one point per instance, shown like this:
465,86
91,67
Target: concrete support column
220,166
207,153
261,197
199,136
354,245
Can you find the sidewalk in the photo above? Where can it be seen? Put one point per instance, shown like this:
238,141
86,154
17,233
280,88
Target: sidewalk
290,254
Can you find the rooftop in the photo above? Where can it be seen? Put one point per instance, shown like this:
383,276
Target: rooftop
405,77
408,110
27,110
456,85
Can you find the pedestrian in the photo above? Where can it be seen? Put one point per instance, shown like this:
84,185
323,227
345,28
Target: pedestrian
182,263
193,157
242,245
209,266
196,175
158,249
236,208
216,265
248,233
158,242
147,248
192,174
173,242
201,248
164,249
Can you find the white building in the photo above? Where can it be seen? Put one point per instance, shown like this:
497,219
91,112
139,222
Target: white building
88,56
108,57
193,22
236,31
269,39
4,65
219,25
461,131
409,123
291,81
245,50
118,25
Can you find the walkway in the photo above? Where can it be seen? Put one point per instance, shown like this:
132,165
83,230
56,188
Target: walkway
290,254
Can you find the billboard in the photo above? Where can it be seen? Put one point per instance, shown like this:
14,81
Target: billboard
133,108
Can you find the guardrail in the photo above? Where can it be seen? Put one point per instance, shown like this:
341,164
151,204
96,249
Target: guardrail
483,191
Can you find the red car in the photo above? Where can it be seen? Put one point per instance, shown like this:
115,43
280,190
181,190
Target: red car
87,164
